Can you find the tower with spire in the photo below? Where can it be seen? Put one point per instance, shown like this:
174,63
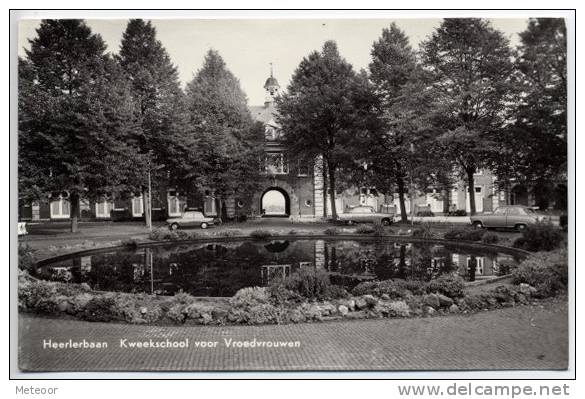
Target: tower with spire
272,88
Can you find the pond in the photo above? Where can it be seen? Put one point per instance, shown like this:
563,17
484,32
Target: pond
221,268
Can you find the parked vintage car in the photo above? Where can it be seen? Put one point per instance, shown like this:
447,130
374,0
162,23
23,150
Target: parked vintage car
508,216
366,214
190,219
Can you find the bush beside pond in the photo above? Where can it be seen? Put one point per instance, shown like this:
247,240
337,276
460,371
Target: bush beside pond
164,234
466,234
375,229
26,259
545,271
306,296
540,237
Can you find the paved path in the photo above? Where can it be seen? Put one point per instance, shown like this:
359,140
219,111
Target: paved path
527,337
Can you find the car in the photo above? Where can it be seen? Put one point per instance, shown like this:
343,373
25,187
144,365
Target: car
190,219
518,217
366,214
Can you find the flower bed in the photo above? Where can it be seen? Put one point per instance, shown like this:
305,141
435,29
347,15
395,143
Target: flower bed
305,297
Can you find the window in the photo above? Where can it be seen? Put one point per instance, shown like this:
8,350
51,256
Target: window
103,208
209,208
361,209
137,206
60,207
478,189
175,204
500,211
271,133
516,211
303,168
276,164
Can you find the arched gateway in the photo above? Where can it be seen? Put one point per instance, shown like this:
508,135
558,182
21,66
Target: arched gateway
275,202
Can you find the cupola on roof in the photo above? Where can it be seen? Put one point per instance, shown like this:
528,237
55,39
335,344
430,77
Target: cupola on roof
271,82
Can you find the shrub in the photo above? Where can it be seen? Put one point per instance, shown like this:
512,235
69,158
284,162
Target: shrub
458,212
539,237
448,285
332,231
264,313
545,271
309,283
425,213
425,232
37,296
250,296
164,234
395,289
337,292
505,267
260,234
490,238
279,294
99,309
26,259
466,234
379,230
365,229
177,313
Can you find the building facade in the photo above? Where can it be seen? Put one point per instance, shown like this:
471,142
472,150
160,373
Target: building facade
288,188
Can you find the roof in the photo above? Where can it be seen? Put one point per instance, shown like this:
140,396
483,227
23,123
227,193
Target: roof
271,81
263,113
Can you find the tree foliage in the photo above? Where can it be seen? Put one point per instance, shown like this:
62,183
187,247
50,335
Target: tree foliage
400,151
75,115
227,139
536,140
163,142
471,68
325,111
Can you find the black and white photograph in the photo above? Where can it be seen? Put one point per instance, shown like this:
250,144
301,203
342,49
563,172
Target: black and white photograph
317,193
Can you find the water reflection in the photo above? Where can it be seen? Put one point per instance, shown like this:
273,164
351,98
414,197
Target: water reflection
220,269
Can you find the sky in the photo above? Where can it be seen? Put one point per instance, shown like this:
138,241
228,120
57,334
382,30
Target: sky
248,46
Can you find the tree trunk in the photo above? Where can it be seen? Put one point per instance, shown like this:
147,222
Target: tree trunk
471,190
331,171
403,215
147,207
74,203
324,171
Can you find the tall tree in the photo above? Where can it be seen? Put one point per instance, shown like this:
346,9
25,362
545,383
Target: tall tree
163,141
470,65
326,108
227,139
404,104
536,142
74,115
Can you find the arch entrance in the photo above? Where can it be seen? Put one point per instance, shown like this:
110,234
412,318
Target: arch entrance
275,202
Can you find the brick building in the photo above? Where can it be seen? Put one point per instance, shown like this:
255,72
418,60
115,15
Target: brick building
289,188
